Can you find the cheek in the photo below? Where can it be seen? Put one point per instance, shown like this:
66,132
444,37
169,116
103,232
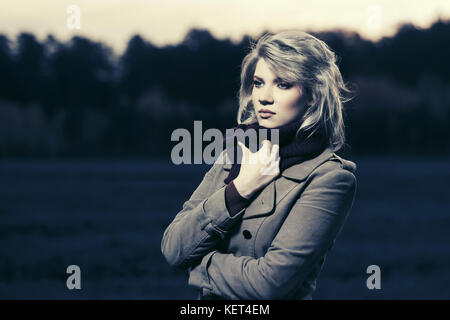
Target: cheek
254,97
290,102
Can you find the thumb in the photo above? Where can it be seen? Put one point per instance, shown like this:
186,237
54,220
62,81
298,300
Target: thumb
243,147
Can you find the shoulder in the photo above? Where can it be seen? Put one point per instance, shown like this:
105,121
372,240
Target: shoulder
337,164
326,163
335,172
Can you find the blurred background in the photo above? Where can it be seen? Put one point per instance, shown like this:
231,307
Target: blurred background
90,92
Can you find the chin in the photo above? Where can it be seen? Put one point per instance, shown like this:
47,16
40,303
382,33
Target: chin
268,123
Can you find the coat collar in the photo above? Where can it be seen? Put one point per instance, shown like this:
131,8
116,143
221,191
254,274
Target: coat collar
266,200
302,170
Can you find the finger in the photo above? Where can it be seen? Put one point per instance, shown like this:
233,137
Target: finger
275,152
266,146
245,152
263,153
244,147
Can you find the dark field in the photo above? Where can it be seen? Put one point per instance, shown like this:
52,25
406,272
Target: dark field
108,216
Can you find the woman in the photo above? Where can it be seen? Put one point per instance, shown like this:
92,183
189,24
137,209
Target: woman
261,229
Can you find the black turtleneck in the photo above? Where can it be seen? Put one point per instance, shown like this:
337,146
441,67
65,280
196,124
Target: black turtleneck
292,150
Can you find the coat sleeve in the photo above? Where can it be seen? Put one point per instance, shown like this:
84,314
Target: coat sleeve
198,227
308,231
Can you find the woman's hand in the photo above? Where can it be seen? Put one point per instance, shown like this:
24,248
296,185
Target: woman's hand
257,169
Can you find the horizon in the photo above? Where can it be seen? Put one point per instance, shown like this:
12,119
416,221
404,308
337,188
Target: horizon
114,22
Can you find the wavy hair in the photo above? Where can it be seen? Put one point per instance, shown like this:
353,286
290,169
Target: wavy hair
299,58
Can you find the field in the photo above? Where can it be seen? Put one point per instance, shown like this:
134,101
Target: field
108,216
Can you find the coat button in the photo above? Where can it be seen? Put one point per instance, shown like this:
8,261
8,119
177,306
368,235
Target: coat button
247,234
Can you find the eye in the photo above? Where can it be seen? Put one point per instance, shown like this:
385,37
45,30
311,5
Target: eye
284,85
257,83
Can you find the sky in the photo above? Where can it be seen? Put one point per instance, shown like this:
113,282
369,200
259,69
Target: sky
167,21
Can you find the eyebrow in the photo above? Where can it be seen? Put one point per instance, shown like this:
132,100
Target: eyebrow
277,79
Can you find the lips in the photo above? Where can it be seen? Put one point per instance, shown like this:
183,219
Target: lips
265,113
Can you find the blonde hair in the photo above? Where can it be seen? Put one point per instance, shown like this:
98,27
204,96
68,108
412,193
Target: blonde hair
300,58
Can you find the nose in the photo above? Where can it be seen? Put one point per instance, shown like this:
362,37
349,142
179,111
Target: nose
266,96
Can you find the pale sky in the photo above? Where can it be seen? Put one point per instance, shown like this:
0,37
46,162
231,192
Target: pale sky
167,21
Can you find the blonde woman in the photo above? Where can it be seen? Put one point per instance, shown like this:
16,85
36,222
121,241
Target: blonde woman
244,234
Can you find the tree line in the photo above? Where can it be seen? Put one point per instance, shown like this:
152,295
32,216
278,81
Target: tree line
81,98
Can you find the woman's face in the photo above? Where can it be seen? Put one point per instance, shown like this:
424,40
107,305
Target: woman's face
283,101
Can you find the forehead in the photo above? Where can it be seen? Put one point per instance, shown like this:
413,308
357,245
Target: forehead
264,70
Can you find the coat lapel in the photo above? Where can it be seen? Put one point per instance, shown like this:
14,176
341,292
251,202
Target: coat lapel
269,196
302,170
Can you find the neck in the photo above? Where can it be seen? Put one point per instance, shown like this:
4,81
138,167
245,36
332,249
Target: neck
286,132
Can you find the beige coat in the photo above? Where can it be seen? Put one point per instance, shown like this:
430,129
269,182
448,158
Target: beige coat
274,248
